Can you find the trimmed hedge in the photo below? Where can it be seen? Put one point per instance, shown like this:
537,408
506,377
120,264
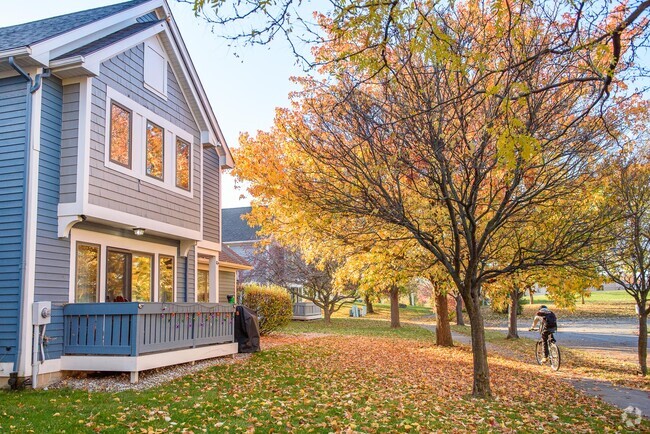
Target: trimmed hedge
272,304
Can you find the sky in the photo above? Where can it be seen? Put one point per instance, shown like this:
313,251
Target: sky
244,84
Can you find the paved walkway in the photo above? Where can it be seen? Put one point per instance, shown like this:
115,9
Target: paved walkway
621,397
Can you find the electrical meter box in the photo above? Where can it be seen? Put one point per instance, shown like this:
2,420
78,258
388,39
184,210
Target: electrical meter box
41,312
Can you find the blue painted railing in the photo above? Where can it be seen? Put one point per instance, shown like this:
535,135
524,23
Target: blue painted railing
132,329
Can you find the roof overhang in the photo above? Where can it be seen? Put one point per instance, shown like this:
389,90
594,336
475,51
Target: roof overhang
41,54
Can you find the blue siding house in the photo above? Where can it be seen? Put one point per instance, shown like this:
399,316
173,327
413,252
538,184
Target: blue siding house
110,199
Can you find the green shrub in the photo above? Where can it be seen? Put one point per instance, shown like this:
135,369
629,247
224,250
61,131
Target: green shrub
272,304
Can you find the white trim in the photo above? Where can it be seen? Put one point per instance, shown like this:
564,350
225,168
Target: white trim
209,246
14,52
139,117
213,283
43,51
231,266
106,241
111,216
196,274
29,240
92,62
236,243
83,143
154,45
145,362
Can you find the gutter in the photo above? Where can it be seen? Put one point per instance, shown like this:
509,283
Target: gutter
32,86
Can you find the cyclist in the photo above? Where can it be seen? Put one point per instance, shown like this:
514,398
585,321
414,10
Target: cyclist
549,326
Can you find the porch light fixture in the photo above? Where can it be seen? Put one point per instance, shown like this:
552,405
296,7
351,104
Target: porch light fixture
138,232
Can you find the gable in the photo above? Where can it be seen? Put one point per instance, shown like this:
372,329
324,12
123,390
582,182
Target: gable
79,49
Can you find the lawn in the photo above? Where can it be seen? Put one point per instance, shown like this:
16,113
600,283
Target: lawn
599,304
575,362
363,378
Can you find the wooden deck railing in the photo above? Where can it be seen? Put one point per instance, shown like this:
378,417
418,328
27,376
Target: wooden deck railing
305,309
132,329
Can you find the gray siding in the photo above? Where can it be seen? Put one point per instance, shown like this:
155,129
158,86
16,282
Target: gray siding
227,283
13,100
211,189
69,143
114,190
191,273
52,254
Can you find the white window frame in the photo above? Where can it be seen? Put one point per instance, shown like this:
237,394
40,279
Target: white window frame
154,45
106,241
138,169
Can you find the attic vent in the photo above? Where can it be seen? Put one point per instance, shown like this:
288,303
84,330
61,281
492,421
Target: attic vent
155,68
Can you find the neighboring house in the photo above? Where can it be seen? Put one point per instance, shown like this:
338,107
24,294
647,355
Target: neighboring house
270,261
110,169
242,239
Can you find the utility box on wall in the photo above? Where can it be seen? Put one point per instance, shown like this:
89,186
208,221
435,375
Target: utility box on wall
41,312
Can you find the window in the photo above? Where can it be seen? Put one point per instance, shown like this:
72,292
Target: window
117,276
87,273
183,161
155,150
155,69
202,291
165,278
142,144
141,277
129,276
120,135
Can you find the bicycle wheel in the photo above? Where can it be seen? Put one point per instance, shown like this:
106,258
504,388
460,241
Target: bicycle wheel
554,355
539,352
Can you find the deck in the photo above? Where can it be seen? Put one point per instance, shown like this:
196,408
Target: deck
306,311
133,337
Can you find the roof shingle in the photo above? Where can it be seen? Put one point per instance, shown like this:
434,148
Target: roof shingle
229,256
235,228
109,39
22,35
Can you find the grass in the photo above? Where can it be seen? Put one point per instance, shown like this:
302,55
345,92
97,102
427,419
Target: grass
370,327
575,362
599,304
367,381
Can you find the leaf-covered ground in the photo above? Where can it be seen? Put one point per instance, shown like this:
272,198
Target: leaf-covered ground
339,383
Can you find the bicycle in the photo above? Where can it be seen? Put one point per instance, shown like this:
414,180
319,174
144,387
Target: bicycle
553,351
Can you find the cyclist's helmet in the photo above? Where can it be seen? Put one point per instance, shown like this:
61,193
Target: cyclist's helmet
543,307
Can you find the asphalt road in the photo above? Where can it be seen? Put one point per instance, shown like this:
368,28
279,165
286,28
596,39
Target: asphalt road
618,336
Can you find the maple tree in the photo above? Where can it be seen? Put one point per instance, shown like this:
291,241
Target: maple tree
627,259
465,139
510,289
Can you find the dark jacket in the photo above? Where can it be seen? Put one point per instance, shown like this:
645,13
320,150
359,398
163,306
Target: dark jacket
549,320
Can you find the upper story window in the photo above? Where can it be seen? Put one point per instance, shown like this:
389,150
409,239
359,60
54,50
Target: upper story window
145,145
183,161
155,150
155,68
120,138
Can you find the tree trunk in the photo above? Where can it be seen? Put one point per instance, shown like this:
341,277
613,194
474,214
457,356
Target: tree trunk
459,310
327,313
583,297
369,307
530,294
443,329
481,383
394,308
512,315
643,341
